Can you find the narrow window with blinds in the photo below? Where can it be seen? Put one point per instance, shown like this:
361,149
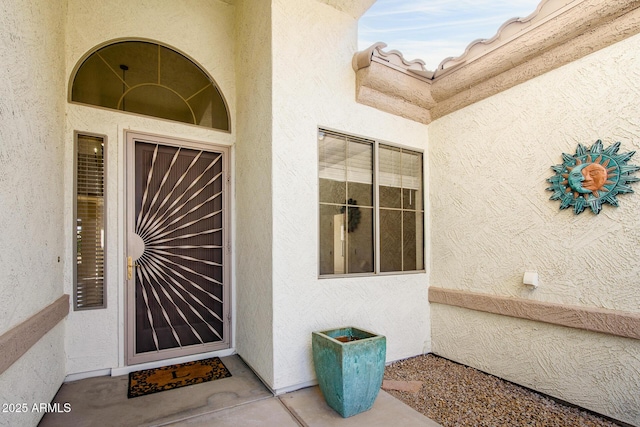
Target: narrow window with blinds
89,292
371,206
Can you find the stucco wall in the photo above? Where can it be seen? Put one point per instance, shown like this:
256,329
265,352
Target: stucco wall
313,86
201,29
31,194
492,220
253,243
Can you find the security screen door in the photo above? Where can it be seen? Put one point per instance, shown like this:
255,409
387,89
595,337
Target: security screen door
177,248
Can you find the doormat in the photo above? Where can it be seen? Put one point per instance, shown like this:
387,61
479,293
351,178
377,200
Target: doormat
155,380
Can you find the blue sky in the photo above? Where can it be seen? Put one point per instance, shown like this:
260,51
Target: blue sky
433,30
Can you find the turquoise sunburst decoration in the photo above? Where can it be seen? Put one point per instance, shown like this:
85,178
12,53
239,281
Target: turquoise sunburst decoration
591,177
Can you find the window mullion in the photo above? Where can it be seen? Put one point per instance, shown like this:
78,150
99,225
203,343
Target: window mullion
376,209
401,210
345,216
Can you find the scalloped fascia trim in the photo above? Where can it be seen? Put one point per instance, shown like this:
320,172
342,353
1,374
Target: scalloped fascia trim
393,59
554,39
510,30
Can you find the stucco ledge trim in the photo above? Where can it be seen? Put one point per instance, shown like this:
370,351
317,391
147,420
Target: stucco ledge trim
19,339
612,322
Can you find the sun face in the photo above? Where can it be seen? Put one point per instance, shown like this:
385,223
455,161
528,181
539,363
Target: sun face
592,177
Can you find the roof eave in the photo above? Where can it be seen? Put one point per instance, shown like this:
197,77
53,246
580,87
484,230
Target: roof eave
551,38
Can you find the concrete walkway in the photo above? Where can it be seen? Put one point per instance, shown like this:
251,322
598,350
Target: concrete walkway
241,400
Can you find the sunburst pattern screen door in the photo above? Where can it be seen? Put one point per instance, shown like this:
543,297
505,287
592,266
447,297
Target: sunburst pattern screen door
177,267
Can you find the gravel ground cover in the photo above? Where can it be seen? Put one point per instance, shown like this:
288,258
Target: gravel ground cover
455,395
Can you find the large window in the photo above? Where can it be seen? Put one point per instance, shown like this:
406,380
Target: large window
371,206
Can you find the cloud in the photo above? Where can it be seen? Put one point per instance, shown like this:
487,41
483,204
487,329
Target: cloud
433,30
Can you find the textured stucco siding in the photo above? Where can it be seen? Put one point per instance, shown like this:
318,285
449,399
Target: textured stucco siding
31,194
253,244
314,85
492,220
200,29
34,379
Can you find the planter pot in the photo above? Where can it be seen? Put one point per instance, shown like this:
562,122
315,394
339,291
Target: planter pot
349,364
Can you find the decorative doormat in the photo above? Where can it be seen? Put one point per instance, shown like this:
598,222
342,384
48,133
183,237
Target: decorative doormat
154,380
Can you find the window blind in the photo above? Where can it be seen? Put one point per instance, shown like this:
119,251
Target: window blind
90,223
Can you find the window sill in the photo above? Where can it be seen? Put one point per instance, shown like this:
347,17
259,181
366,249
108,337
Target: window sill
386,273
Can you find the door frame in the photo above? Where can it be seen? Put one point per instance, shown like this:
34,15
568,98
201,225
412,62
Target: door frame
130,137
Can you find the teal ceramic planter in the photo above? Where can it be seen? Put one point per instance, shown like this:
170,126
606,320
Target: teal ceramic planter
349,364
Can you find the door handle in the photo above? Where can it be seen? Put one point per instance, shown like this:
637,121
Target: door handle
129,268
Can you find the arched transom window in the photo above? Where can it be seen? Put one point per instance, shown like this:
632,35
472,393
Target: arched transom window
147,78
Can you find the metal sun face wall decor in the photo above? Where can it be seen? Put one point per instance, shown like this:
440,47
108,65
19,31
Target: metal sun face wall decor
591,177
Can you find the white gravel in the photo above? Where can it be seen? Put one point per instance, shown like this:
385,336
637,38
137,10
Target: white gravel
455,395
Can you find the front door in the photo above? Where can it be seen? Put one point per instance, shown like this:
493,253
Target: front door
177,248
